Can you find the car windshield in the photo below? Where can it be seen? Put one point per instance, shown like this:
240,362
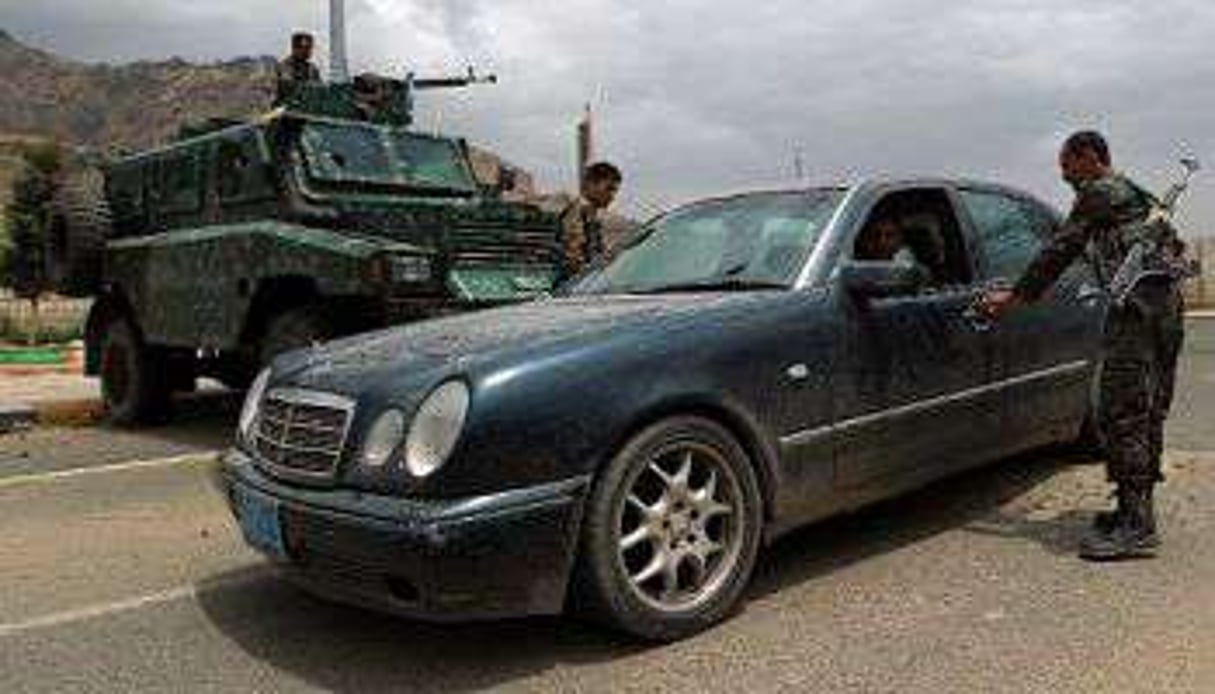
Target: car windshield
347,153
754,241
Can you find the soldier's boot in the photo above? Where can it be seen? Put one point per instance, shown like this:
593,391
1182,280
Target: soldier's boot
1104,522
1133,534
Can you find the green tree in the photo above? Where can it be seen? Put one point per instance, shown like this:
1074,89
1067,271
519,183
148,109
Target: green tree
28,218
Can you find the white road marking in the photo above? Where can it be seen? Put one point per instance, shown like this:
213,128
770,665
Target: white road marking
116,607
96,611
57,475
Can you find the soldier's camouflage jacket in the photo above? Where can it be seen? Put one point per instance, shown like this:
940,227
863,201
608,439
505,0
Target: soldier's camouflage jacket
1109,217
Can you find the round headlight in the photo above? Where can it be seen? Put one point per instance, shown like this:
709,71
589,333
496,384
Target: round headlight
436,428
253,401
383,439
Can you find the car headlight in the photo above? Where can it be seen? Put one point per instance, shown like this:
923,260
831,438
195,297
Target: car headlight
253,401
383,439
436,428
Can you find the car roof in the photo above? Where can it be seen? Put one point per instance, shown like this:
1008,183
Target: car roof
869,183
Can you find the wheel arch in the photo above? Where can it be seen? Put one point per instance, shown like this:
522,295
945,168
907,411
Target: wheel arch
761,454
274,295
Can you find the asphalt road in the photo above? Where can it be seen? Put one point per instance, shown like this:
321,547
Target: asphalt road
121,571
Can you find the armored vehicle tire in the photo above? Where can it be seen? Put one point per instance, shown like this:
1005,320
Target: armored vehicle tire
293,329
135,385
80,226
671,531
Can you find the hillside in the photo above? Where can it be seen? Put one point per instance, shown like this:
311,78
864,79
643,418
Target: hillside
126,106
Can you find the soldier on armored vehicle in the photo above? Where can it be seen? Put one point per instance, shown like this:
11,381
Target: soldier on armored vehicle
326,217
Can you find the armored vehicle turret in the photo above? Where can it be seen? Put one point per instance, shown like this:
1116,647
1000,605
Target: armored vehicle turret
327,216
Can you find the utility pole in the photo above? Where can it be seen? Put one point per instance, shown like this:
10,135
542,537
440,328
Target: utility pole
585,145
338,70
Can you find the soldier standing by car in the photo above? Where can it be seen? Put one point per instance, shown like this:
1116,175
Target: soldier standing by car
297,68
1142,337
582,221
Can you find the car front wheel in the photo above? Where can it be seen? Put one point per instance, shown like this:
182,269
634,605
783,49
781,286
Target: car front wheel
671,532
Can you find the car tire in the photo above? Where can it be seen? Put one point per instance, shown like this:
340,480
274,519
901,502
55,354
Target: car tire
683,472
294,329
135,383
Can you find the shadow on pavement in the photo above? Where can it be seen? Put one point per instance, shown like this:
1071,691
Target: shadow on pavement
205,419
972,500
347,650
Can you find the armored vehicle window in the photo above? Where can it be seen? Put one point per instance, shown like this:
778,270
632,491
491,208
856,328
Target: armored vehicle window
241,170
1010,230
431,161
180,180
346,153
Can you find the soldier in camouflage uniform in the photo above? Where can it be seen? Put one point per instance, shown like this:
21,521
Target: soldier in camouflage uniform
581,222
297,68
1142,338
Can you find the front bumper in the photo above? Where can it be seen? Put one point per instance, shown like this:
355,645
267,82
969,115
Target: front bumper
501,555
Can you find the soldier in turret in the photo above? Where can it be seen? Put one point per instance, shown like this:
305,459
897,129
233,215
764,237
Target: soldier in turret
297,68
1142,339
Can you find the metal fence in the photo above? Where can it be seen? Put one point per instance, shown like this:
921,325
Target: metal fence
51,319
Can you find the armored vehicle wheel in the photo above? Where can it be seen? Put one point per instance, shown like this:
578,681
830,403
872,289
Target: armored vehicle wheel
80,226
671,532
294,329
134,384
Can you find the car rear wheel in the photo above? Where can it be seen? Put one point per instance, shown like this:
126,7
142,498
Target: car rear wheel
671,532
135,385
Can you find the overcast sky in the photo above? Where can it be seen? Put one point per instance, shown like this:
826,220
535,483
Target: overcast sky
696,98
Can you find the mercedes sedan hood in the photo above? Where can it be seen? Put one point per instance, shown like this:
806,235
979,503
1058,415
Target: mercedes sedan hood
482,335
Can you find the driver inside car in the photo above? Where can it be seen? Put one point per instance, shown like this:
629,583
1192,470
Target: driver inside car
884,239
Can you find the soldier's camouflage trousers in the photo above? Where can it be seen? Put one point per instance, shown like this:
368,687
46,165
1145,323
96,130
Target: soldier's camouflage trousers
1141,344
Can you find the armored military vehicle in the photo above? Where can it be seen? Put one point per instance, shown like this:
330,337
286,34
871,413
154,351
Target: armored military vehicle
327,216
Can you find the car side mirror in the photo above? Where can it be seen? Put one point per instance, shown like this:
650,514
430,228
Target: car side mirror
878,279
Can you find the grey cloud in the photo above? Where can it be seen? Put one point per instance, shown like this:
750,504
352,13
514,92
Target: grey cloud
702,97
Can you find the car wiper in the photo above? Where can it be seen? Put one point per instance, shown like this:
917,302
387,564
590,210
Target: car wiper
725,284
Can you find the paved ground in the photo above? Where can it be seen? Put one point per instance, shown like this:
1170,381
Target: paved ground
121,576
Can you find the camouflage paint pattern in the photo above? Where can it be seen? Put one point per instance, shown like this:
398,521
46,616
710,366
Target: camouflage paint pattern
202,225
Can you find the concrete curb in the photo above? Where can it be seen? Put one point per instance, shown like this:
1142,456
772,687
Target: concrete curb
16,417
69,413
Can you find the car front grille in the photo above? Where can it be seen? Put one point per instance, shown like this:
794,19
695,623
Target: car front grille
300,434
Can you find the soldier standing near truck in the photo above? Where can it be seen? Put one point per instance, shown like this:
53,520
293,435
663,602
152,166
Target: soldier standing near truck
582,223
1142,337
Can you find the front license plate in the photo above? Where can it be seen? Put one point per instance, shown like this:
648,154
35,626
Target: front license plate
259,521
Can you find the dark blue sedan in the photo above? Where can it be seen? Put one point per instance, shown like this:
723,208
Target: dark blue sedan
743,366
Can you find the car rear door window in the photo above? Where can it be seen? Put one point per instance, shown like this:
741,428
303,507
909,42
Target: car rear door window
1011,230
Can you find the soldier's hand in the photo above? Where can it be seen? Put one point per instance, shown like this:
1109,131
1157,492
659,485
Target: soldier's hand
996,302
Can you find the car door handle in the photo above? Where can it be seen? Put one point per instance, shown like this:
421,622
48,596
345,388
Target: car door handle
1089,295
978,320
